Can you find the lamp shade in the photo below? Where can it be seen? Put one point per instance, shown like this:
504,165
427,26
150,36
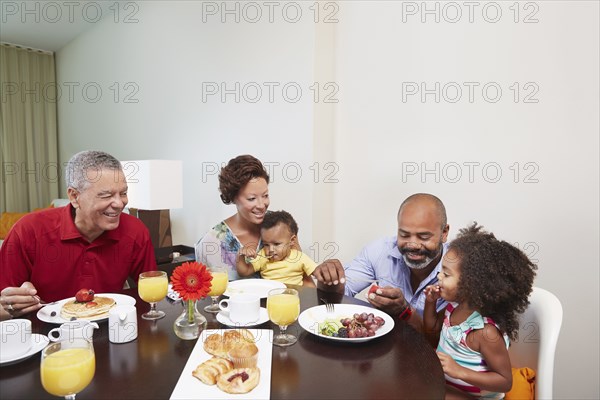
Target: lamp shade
154,184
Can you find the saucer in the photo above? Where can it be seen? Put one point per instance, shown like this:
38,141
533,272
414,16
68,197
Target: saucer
262,318
38,342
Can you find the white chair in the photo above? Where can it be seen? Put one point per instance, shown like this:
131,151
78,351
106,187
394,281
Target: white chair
539,328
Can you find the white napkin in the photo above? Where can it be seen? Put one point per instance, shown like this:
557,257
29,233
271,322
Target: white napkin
172,294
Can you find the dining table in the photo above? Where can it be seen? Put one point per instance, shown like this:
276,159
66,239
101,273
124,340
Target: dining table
398,365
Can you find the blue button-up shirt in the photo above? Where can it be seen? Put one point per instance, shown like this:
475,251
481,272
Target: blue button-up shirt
383,261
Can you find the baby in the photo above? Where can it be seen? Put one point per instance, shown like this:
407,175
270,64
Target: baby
278,259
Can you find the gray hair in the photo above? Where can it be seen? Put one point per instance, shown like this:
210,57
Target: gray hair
76,175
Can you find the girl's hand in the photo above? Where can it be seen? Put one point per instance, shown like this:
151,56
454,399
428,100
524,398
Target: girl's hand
451,368
432,293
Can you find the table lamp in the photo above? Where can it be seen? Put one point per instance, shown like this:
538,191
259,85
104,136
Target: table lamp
155,186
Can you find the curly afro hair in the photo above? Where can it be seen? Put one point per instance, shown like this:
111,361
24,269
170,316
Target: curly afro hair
496,278
275,217
237,173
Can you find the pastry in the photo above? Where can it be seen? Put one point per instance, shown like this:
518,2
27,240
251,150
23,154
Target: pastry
244,334
243,355
239,380
219,345
215,345
211,369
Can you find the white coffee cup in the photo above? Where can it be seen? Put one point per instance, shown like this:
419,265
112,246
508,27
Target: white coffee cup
122,324
242,308
73,332
15,338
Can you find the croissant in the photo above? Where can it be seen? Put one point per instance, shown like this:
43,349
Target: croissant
219,346
211,369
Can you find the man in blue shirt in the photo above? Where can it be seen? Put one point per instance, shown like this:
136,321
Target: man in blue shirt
403,265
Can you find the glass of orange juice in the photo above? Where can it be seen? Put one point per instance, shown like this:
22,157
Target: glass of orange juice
67,367
219,281
283,306
152,288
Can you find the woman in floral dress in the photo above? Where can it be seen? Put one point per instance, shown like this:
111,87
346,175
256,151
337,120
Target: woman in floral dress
245,183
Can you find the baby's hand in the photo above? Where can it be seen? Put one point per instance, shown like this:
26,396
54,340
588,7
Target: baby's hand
432,293
248,252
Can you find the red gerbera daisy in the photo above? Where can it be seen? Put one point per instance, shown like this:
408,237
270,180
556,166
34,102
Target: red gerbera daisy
191,280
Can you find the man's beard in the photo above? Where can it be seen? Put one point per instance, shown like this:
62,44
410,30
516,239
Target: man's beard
430,255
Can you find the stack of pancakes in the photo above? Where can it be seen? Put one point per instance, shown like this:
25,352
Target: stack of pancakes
98,308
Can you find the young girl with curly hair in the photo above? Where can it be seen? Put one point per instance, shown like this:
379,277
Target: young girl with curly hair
487,283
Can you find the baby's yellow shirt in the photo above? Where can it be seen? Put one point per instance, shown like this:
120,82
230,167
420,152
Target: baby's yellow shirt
289,271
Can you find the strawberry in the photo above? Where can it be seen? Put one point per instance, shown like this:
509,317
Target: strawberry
91,304
84,295
373,289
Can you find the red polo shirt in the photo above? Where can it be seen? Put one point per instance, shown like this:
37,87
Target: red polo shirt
46,249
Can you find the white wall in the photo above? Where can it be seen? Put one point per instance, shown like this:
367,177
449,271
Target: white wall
550,208
372,137
168,56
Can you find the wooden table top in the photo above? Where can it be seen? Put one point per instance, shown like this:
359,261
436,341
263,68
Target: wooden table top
398,365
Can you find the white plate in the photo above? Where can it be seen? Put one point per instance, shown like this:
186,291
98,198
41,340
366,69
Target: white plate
224,319
44,313
310,319
38,342
260,287
189,387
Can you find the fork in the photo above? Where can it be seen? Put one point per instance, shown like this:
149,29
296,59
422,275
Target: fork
330,307
42,302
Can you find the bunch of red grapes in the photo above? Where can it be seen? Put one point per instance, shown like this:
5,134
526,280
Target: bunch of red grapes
359,326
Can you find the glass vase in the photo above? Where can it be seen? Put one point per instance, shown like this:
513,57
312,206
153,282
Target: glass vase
190,323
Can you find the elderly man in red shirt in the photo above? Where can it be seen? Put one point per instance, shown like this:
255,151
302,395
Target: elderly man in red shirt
90,243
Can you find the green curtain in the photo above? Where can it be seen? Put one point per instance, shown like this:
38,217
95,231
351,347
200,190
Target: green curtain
28,129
